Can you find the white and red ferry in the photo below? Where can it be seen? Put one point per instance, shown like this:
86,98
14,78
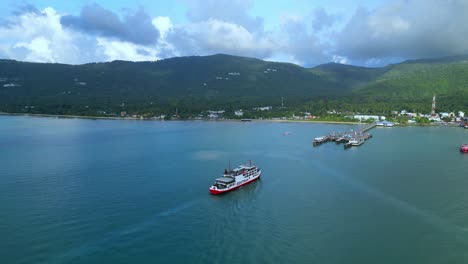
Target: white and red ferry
233,179
464,148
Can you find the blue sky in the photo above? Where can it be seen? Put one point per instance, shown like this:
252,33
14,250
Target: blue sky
360,32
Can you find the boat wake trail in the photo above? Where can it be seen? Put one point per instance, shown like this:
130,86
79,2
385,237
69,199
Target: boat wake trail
426,216
123,235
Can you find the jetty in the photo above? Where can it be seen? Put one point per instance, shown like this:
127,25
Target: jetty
352,138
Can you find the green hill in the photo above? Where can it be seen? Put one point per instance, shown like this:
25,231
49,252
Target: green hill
199,82
415,82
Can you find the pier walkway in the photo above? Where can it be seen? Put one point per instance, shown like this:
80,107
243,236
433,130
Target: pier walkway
368,127
350,138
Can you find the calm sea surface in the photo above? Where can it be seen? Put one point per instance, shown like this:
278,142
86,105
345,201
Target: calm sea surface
87,191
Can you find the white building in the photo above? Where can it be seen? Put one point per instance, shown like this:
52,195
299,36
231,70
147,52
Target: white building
444,114
461,114
239,112
219,112
367,117
263,108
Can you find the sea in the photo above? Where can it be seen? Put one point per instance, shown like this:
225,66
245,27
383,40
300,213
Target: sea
126,191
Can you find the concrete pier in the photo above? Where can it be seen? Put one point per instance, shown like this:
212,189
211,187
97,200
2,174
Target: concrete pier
350,138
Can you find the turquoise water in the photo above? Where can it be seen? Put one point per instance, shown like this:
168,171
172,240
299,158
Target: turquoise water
87,191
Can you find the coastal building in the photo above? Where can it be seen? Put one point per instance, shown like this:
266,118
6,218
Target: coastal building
263,108
239,113
461,114
368,117
219,112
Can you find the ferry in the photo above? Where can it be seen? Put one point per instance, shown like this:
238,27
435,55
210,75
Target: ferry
464,148
233,179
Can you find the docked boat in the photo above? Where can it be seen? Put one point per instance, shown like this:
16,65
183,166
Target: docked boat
319,140
341,140
464,148
235,178
354,143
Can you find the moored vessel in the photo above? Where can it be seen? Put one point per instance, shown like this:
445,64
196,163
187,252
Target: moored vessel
464,148
235,178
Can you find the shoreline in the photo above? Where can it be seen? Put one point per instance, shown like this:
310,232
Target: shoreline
146,119
71,116
219,120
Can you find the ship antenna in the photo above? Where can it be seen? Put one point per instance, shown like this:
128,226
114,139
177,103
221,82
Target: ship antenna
229,165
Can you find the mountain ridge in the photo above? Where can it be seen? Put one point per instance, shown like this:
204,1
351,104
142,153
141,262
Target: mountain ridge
197,82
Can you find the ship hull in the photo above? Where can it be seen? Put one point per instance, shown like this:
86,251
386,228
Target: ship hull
217,191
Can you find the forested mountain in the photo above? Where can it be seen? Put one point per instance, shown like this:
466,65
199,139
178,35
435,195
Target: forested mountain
199,82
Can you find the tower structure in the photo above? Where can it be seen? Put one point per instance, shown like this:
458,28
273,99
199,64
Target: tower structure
433,106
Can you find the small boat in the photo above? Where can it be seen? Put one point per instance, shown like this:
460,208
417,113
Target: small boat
464,148
233,179
287,133
341,140
358,143
320,140
353,143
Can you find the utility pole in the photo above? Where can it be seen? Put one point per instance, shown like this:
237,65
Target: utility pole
433,106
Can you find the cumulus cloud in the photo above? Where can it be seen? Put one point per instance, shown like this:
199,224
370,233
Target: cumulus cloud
321,19
301,43
406,29
395,30
38,36
136,27
231,11
215,36
219,26
119,50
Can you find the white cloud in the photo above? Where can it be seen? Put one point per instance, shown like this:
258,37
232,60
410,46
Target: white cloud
40,37
163,24
395,30
301,43
405,30
230,11
39,50
216,36
119,50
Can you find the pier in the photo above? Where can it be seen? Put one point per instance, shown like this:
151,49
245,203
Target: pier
352,138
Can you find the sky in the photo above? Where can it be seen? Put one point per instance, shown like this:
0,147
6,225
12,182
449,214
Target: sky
305,32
